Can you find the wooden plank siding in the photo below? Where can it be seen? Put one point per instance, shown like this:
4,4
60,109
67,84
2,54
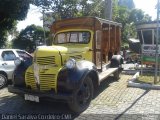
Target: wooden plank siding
110,35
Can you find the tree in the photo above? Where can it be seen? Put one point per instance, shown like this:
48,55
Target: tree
121,16
10,11
72,8
28,37
93,8
61,8
137,15
129,18
127,3
123,12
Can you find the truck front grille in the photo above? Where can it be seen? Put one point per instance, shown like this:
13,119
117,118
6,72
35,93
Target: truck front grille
30,80
47,81
49,60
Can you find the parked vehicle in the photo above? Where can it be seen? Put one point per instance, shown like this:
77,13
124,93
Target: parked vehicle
84,53
130,56
7,65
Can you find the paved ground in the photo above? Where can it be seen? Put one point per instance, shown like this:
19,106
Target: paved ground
113,101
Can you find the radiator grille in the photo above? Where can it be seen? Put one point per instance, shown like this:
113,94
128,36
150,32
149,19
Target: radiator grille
47,81
30,80
49,60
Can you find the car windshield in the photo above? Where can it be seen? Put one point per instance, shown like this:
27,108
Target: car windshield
82,37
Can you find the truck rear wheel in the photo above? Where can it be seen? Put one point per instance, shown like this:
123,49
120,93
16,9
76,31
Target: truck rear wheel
82,97
116,75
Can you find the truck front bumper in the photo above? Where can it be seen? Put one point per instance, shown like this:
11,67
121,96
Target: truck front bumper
51,95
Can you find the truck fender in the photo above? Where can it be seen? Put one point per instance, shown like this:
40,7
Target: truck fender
18,77
83,69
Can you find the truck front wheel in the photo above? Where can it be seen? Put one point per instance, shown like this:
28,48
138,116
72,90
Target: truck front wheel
82,97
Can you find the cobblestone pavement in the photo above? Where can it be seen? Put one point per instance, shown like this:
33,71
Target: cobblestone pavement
114,100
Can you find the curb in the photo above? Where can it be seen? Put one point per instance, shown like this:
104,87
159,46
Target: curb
132,83
129,72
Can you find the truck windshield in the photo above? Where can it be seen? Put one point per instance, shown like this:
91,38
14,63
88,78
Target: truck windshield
82,37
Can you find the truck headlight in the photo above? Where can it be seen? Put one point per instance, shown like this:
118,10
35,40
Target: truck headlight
71,63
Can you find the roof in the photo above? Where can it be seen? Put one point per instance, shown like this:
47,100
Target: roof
108,21
79,22
148,25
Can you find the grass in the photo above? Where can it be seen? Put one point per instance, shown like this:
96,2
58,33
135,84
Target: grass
147,78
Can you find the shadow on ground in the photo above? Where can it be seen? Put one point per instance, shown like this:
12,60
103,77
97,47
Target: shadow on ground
104,85
14,104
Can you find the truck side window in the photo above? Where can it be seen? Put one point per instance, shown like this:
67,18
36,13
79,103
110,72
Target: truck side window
84,37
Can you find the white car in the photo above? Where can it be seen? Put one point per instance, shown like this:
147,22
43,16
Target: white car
7,65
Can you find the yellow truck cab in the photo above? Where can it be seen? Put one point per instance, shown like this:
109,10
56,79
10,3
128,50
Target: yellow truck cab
84,52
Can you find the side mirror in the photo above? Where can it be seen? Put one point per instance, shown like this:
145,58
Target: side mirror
17,61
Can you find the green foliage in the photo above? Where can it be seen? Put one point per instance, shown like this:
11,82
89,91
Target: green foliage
127,3
93,8
10,11
61,8
123,12
72,8
129,18
137,15
28,37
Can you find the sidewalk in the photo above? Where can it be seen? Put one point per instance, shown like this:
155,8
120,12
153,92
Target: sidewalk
119,102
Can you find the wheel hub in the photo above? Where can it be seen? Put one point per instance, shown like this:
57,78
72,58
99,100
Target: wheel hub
2,81
84,94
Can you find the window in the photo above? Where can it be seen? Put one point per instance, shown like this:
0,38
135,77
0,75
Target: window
73,37
8,55
23,55
147,35
155,36
61,38
140,37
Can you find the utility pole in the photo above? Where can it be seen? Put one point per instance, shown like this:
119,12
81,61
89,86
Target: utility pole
157,47
44,29
108,9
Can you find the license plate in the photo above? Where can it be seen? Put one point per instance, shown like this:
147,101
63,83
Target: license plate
31,98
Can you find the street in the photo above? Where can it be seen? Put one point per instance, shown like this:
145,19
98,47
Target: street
114,100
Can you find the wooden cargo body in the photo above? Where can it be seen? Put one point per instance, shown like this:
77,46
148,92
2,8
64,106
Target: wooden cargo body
107,35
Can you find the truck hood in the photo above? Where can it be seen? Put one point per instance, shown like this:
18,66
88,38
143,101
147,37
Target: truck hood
58,54
62,49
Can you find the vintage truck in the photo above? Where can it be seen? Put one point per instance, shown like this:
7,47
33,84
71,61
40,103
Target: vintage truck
85,51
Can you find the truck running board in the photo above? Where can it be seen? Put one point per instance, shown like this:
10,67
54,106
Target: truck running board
103,75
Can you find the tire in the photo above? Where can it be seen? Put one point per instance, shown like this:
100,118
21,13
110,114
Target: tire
116,75
116,61
3,81
82,97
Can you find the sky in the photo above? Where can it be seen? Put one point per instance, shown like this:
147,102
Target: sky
148,6
34,15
